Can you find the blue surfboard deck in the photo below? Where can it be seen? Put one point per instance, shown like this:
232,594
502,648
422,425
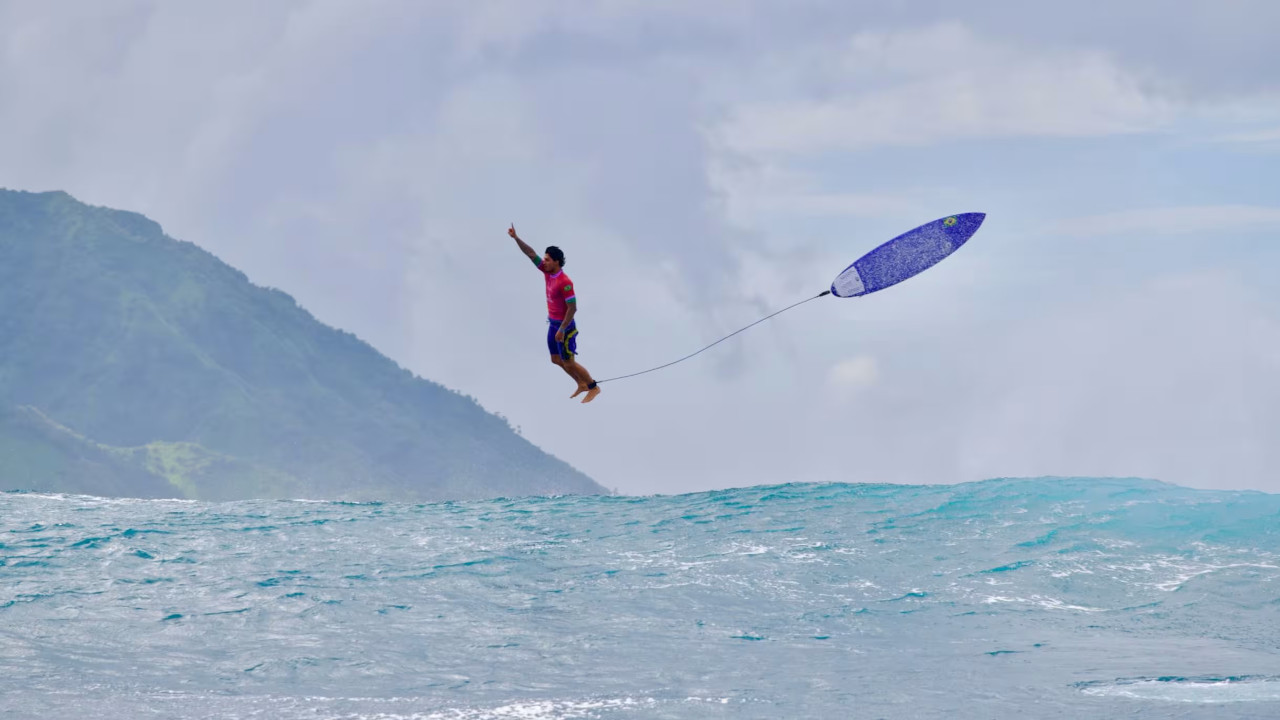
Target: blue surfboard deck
907,255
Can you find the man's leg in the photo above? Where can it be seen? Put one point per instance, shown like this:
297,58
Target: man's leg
561,354
581,375
585,382
575,371
567,366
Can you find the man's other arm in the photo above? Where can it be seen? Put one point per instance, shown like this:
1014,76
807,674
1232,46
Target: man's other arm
524,247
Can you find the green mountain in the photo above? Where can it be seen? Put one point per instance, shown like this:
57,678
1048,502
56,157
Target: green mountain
134,364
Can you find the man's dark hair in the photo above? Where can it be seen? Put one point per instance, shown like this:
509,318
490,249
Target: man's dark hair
556,254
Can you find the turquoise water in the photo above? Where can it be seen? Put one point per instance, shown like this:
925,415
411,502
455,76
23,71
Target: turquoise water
1055,598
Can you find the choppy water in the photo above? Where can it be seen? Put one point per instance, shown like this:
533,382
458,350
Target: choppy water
1003,599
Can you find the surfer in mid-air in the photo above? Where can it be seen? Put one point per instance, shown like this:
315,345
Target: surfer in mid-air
562,305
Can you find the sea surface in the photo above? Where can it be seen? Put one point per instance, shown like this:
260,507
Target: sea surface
1047,598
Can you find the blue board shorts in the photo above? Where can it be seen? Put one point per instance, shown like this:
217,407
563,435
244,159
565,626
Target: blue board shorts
567,349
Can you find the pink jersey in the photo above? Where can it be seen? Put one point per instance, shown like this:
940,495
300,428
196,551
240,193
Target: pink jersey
559,294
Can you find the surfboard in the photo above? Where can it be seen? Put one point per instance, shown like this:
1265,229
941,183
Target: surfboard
907,255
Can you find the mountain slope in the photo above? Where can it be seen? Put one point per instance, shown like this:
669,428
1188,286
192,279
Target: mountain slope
130,338
52,458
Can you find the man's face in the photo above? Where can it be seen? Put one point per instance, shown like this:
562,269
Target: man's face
550,264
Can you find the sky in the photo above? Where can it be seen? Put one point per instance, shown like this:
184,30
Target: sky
703,164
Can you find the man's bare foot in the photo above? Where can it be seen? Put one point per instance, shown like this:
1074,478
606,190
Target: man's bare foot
581,389
591,394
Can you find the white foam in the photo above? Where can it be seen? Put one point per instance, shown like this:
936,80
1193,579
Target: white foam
1044,601
1191,691
527,710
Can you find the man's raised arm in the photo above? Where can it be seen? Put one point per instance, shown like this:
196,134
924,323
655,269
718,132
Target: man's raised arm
524,247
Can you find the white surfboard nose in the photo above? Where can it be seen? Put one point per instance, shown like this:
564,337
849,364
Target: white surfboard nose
848,283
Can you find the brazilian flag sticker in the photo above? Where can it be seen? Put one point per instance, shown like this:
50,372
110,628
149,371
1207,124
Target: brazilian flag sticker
950,221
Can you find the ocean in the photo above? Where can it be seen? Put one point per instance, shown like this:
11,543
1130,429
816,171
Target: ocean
1044,598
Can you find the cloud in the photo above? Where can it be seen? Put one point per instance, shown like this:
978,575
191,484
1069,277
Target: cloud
1258,136
918,87
1267,140
754,194
692,159
1177,378
854,373
1172,220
